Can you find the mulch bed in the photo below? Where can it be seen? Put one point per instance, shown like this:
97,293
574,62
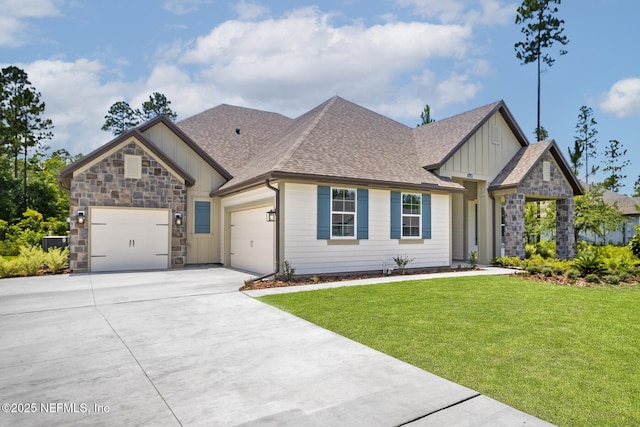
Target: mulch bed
313,280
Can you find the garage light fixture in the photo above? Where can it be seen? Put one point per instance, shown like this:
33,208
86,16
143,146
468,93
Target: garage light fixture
271,216
177,218
80,218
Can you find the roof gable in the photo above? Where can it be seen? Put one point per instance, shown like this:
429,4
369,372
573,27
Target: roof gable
525,160
97,155
436,142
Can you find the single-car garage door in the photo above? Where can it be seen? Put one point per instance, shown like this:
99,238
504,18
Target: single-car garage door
129,239
252,241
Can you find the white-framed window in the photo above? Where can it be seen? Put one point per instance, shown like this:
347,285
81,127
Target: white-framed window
411,215
132,166
343,213
546,171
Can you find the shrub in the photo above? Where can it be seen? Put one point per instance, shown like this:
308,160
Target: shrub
529,250
507,261
573,274
624,276
30,260
533,269
287,271
473,258
401,262
9,267
546,248
634,244
592,278
56,259
612,279
547,271
558,271
589,263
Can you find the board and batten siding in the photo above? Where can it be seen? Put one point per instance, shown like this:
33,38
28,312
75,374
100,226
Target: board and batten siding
207,179
486,152
310,255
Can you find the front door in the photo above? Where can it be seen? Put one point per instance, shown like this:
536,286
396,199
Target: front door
200,231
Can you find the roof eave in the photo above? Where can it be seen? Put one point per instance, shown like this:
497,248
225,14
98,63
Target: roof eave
334,179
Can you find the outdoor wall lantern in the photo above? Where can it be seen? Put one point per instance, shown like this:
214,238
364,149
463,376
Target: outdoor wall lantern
178,218
271,216
80,217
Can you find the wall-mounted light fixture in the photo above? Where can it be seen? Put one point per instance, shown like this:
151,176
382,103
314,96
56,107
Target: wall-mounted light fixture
81,217
177,219
271,216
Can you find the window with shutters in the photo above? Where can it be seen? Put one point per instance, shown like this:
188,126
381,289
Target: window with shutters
343,212
411,215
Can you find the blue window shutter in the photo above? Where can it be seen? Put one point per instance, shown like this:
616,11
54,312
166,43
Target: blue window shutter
396,209
363,214
202,223
426,216
324,212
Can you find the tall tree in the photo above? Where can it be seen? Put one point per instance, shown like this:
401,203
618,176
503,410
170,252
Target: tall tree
593,215
426,116
585,143
22,126
541,29
540,134
615,163
121,117
636,188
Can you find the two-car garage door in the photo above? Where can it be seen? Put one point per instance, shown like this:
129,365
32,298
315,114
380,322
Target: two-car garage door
129,239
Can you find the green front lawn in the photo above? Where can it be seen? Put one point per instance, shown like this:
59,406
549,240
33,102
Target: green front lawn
568,355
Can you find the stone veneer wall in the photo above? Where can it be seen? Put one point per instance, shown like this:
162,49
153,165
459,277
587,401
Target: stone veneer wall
557,188
104,184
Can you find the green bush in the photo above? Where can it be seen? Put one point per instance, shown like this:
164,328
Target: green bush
589,263
9,268
533,269
612,279
287,271
30,260
634,244
624,276
507,261
592,278
546,248
56,259
573,274
557,270
547,271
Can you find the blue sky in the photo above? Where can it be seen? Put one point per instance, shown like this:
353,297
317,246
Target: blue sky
391,56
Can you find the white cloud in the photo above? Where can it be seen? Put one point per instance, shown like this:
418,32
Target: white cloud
182,7
487,12
15,15
248,11
302,52
623,99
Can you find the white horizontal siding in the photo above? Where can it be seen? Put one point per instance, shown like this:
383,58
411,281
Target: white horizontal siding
308,255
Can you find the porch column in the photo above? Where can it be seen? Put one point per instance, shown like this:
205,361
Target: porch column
514,224
565,238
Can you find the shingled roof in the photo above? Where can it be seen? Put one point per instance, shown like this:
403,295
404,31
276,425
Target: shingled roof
525,159
337,140
439,140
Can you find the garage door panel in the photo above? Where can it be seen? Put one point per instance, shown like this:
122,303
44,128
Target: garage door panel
252,241
129,239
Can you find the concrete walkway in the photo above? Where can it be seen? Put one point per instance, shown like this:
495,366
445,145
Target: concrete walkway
185,348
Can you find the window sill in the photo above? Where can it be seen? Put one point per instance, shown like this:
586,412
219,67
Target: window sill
411,241
343,242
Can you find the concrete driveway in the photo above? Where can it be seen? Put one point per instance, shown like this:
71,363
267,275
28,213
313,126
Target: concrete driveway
186,348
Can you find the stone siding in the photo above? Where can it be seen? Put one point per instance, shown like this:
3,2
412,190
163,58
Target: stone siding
104,185
556,188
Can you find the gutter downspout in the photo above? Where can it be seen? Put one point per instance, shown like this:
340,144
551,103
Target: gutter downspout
277,191
494,238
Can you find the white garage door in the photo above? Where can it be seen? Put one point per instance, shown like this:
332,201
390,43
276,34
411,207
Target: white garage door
252,241
129,239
